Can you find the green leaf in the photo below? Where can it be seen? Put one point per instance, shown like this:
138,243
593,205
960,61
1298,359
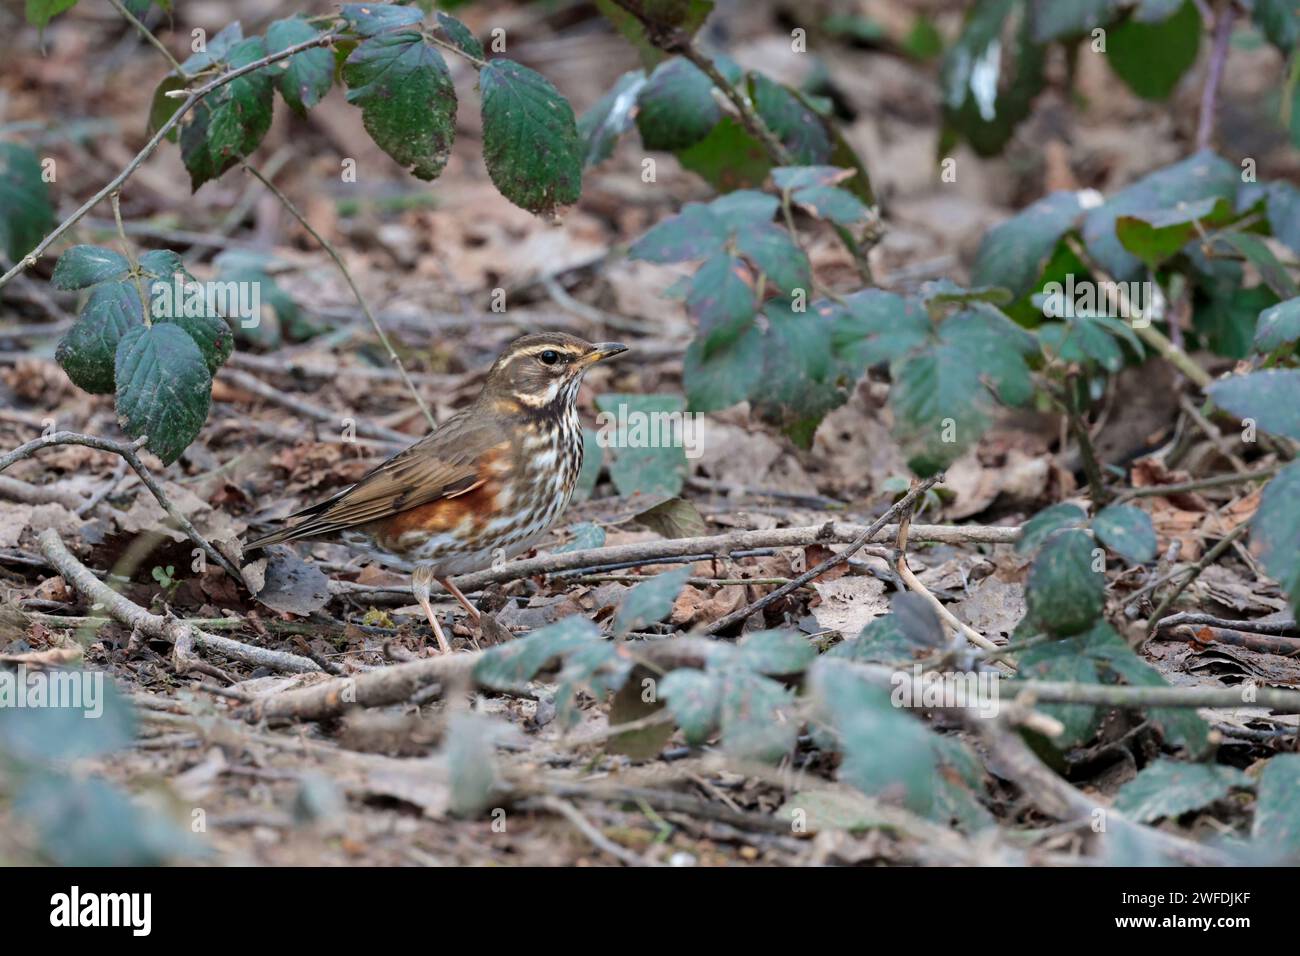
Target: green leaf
163,388
1181,725
530,139
694,698
721,300
800,130
586,535
1155,237
210,332
1279,325
1277,813
775,652
694,233
647,458
1276,530
756,715
162,106
745,209
1152,57
1270,398
1258,254
508,666
686,15
882,641
650,601
41,12
602,125
1126,530
309,74
216,49
1012,254
1053,20
833,205
460,36
985,98
1280,21
887,752
229,123
83,266
105,724
1064,595
874,326
676,108
1170,788
801,177
87,352
26,212
1228,323
776,255
1064,660
369,19
726,375
1046,523
1197,177
728,158
88,822
407,100
800,381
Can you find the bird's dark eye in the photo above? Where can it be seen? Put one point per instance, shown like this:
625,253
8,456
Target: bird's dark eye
549,357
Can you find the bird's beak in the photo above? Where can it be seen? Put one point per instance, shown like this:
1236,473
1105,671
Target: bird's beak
603,350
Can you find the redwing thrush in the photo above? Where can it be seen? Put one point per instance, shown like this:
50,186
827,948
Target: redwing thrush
495,475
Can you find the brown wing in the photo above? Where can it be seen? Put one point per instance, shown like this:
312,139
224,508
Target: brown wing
442,465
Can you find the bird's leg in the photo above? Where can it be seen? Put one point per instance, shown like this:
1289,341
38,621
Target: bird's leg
420,581
464,601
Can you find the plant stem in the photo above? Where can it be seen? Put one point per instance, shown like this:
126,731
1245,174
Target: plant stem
191,99
338,261
1194,572
1217,481
1091,467
1223,20
148,35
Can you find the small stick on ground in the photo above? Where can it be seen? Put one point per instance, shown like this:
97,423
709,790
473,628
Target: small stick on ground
127,452
171,629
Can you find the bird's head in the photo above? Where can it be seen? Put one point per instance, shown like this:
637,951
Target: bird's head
542,372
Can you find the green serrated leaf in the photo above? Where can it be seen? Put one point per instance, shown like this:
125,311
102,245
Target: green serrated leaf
530,138
726,375
1278,325
1064,661
1159,235
694,233
26,212
694,699
1277,813
602,125
674,518
874,326
407,100
509,665
1064,595
1270,398
832,204
370,19
307,78
88,351
1276,530
83,266
229,123
800,130
163,388
215,50
774,253
1012,254
1152,57
1170,788
1046,523
1126,530
800,382
775,652
756,716
647,459
676,108
721,300
650,601
801,177
460,36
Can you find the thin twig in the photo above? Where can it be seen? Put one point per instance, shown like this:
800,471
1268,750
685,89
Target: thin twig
148,35
171,629
127,452
1223,20
1282,628
588,830
901,507
1199,484
1194,572
347,275
251,383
